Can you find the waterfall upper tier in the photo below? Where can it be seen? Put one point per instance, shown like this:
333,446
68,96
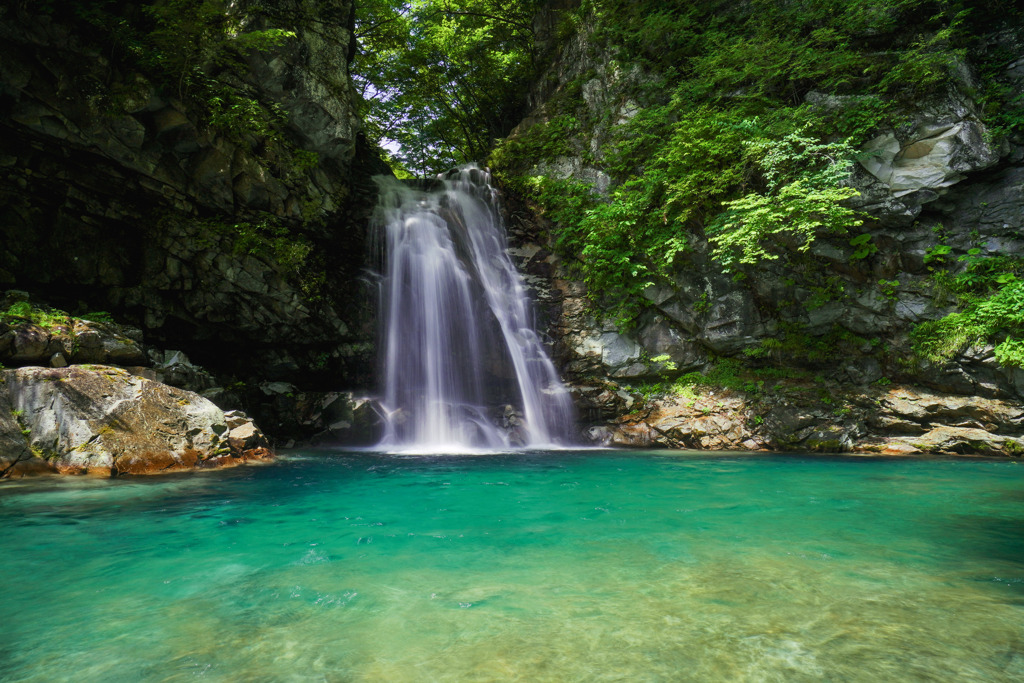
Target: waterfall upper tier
461,351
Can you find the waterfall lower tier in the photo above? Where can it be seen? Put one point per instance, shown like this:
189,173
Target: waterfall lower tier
459,340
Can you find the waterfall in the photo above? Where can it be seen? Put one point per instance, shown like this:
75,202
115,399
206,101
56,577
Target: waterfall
459,343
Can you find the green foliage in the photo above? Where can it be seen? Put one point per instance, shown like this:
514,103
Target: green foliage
855,117
633,240
441,79
98,317
43,316
665,362
733,375
1001,99
563,201
692,162
749,117
926,65
830,289
793,344
727,373
21,309
888,288
991,292
239,116
304,160
680,163
982,273
190,38
541,142
937,254
267,238
863,245
802,198
767,348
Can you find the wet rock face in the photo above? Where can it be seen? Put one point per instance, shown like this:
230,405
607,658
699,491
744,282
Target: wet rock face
102,420
117,194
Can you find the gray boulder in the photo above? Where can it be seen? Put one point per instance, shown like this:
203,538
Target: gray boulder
106,421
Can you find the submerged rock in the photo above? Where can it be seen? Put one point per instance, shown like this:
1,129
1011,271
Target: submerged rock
102,420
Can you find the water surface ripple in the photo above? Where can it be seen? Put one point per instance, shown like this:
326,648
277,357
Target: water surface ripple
564,566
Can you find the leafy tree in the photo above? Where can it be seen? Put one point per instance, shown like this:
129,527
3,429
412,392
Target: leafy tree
801,198
442,79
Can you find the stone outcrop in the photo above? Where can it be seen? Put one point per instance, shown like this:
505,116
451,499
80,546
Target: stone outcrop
296,417
105,421
808,416
704,312
74,341
300,418
936,156
909,166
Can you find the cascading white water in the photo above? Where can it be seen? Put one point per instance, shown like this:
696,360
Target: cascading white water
459,339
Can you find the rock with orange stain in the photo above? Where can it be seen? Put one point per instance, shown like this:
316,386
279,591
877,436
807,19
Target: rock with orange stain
105,421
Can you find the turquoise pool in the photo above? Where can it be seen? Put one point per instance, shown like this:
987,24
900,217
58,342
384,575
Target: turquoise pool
557,566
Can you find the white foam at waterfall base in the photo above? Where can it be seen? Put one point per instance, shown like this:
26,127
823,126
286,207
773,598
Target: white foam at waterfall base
459,335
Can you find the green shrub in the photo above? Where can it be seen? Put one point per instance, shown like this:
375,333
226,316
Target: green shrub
99,317
544,141
40,315
992,311
802,198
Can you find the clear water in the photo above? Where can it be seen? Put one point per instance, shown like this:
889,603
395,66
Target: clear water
567,566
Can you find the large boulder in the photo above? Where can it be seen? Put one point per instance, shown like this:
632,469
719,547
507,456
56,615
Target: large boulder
102,420
175,368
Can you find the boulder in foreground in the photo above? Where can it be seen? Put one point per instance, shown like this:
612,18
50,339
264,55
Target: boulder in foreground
105,421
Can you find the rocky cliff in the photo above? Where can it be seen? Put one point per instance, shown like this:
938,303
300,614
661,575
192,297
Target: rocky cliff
810,238
819,349
197,172
214,199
